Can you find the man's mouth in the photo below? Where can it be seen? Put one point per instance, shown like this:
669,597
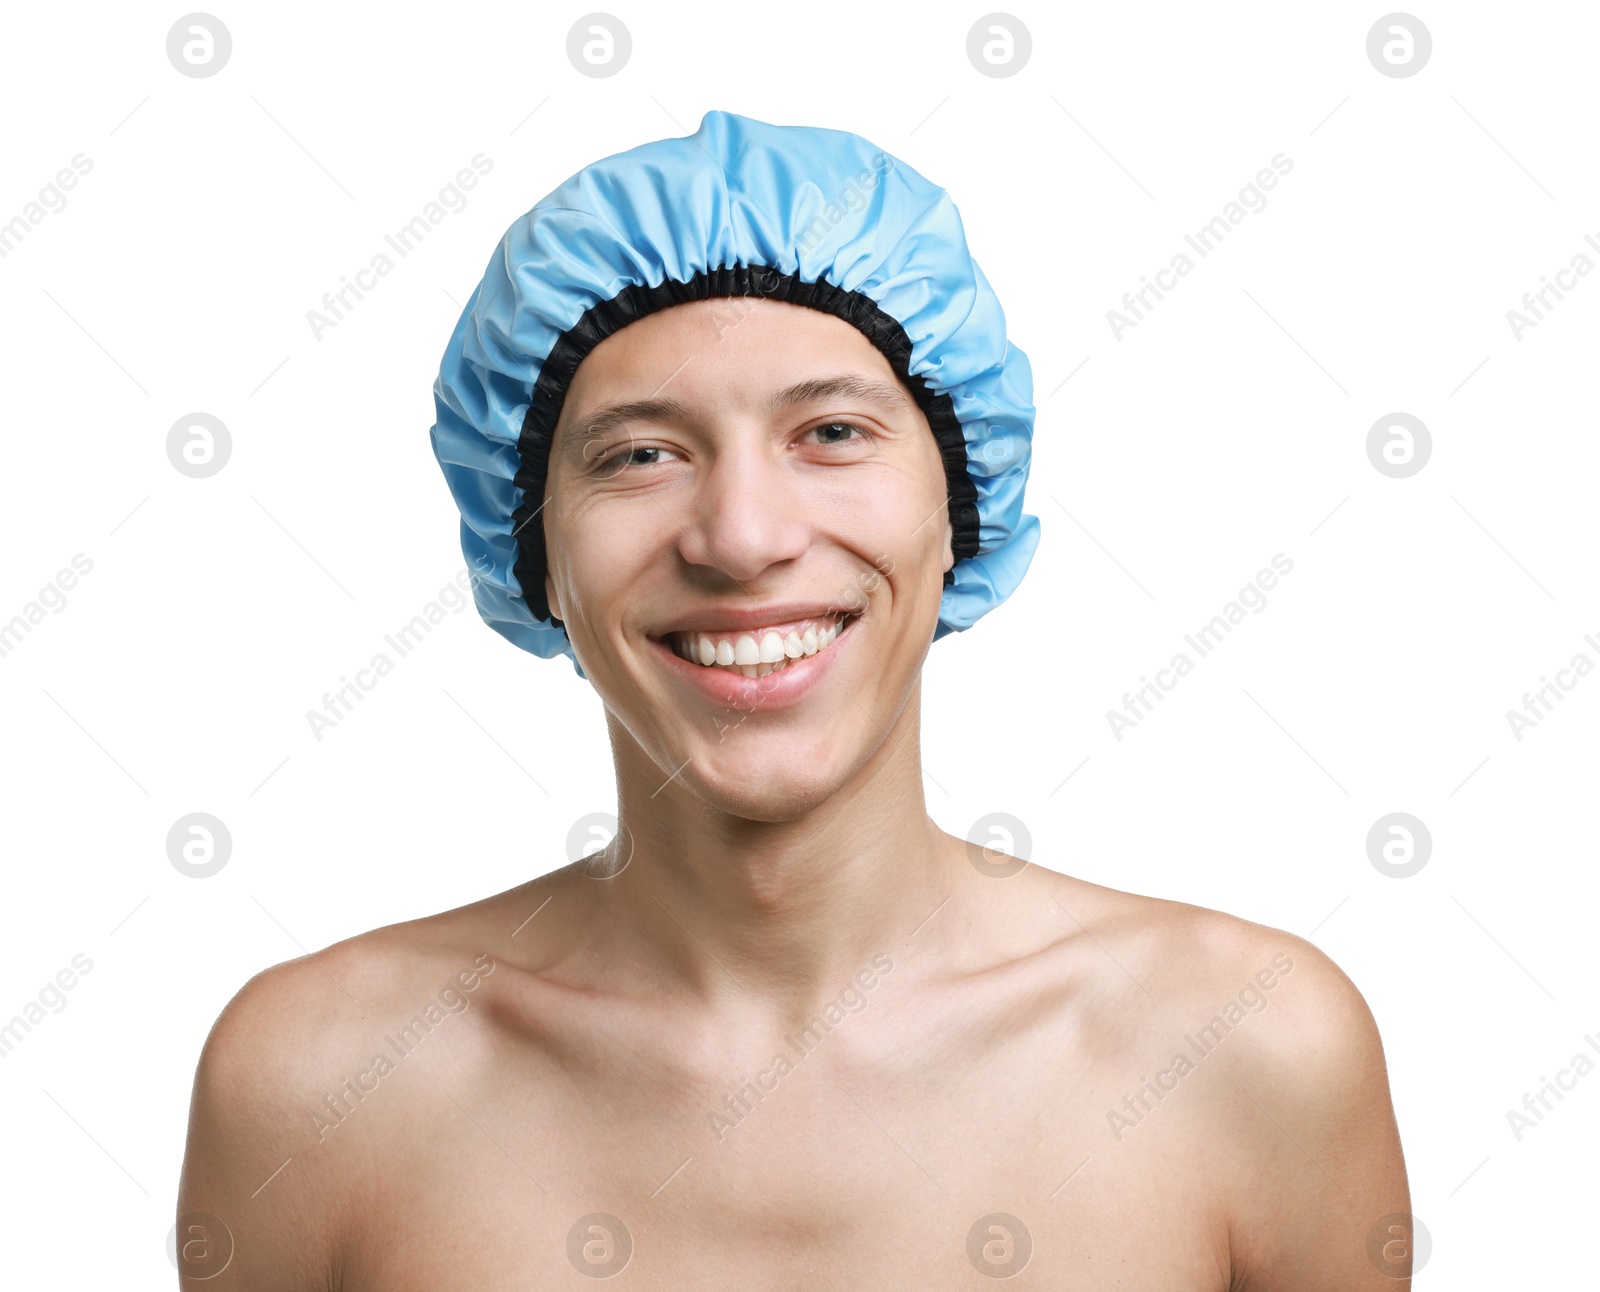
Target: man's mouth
755,652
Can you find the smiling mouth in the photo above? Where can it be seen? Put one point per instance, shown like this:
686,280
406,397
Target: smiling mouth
755,652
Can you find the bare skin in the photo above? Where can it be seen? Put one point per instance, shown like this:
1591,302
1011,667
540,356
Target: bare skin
785,1032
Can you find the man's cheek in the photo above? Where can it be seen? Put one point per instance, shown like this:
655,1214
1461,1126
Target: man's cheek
604,552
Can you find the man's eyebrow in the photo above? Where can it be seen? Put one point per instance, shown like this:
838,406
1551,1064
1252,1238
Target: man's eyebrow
844,386
612,417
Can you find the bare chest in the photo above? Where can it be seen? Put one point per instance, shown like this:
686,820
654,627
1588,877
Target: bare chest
826,1170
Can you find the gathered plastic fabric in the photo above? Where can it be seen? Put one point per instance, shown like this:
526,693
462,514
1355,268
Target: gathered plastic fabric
819,217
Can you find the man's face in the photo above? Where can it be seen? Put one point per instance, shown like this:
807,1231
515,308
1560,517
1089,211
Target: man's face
772,484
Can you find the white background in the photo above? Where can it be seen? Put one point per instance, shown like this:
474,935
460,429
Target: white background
1227,426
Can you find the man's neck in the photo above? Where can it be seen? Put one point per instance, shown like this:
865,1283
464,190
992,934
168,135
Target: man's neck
773,917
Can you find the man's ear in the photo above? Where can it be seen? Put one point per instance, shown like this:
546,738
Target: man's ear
551,597
949,536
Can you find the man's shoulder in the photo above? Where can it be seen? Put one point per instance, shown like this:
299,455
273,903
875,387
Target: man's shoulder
1193,964
298,1049
1240,969
287,1014
254,1184
281,1026
1259,1042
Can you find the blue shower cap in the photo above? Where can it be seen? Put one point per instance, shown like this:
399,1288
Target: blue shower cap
820,218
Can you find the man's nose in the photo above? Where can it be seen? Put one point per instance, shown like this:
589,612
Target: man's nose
749,512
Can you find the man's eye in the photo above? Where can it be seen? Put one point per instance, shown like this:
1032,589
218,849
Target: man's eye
639,455
837,432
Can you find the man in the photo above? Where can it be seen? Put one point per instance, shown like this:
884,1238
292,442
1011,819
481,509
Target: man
784,1031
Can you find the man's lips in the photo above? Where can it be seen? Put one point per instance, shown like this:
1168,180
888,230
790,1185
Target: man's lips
743,617
779,689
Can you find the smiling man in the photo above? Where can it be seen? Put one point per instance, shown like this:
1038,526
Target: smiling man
733,424
750,570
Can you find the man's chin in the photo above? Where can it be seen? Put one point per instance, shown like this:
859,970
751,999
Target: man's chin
778,793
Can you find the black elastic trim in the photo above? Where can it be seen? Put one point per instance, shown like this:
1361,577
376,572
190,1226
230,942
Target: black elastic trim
633,303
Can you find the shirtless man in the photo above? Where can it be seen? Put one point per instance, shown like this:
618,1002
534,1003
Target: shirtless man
784,1032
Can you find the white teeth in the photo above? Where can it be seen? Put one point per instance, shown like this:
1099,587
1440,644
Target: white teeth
755,654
